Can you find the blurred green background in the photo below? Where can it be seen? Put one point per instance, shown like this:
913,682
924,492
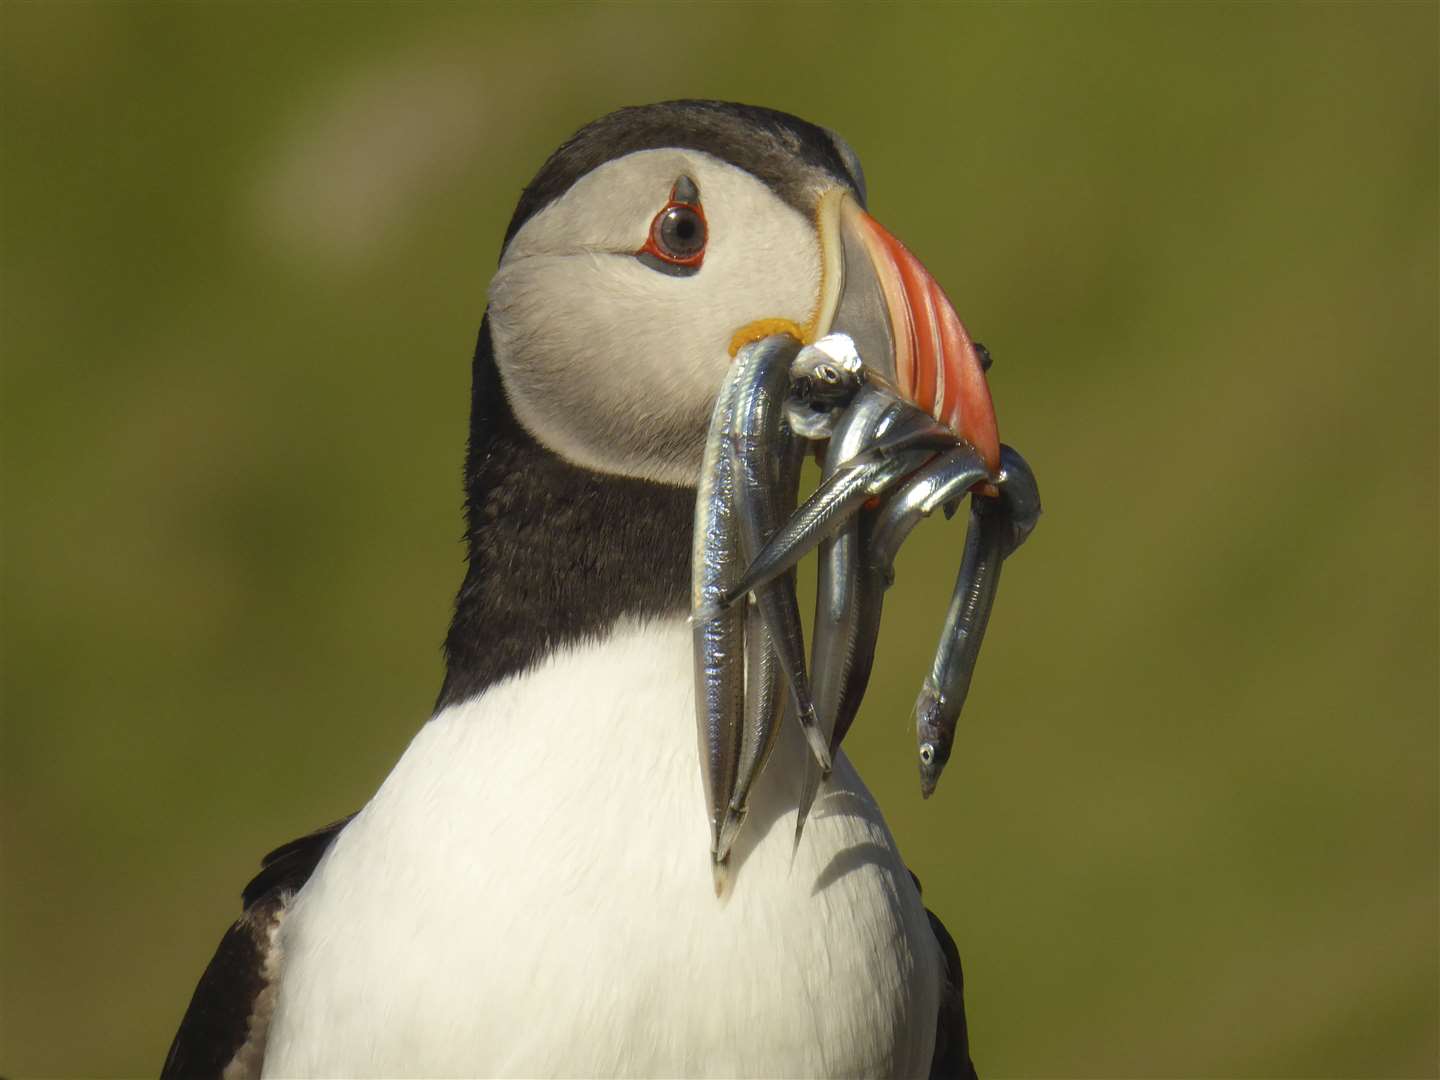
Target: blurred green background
1192,827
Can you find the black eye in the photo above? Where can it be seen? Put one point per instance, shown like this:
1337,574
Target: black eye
679,233
984,355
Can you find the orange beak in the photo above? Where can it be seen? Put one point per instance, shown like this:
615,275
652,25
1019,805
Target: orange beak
904,326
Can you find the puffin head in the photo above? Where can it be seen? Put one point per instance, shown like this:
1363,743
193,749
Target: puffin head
662,238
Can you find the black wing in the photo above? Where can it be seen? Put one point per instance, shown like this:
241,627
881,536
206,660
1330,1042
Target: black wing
229,1012
952,1037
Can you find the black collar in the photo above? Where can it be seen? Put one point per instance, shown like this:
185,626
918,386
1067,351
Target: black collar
556,552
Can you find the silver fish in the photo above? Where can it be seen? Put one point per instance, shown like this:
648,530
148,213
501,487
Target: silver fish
998,525
718,631
945,479
736,713
824,379
882,533
912,438
757,446
765,705
838,612
766,458
1021,494
854,576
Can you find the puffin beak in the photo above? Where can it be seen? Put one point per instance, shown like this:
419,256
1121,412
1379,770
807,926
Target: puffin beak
902,323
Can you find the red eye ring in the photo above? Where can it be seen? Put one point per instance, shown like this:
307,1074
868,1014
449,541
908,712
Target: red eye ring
678,233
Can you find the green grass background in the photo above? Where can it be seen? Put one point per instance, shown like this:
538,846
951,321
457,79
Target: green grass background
1191,829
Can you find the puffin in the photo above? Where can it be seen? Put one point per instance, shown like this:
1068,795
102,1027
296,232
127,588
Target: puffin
529,892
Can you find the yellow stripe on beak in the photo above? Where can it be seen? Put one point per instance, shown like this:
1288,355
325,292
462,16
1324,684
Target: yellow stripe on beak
763,328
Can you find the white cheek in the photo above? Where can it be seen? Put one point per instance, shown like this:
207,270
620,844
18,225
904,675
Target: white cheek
615,365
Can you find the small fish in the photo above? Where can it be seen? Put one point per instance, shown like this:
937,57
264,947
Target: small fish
940,483
1021,493
764,705
840,614
882,532
942,696
718,631
766,458
824,379
912,439
852,586
998,526
743,494
757,445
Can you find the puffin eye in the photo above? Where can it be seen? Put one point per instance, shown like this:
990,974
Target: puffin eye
678,233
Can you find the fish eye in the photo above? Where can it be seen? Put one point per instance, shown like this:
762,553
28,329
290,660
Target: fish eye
927,753
984,354
827,374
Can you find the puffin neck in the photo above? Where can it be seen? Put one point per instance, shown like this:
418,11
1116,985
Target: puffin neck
556,552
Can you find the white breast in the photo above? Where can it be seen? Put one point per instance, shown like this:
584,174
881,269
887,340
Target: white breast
529,894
